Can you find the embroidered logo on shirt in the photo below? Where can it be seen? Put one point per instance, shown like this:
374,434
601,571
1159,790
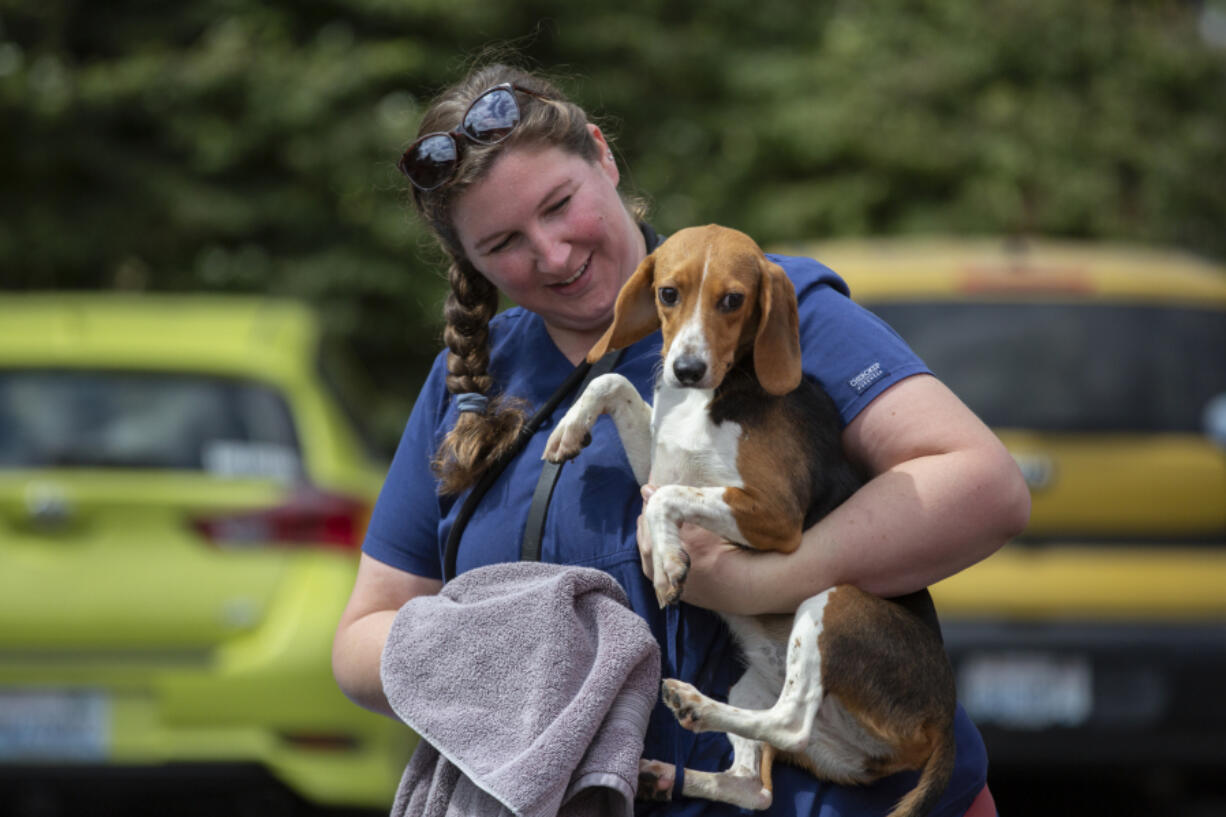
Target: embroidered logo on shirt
866,378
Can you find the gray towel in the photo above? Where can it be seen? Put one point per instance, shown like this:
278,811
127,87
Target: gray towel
531,685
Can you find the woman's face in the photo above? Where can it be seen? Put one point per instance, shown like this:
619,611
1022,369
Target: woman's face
550,231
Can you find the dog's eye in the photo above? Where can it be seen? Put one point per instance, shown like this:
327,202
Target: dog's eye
668,296
730,302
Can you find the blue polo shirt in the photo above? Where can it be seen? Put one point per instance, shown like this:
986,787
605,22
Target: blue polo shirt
595,505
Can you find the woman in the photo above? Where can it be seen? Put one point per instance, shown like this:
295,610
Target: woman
522,193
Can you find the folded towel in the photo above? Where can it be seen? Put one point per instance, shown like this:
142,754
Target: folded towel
531,685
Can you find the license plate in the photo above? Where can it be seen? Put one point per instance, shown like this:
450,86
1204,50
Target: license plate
38,724
1027,691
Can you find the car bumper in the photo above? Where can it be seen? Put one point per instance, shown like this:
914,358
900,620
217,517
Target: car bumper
264,699
1113,693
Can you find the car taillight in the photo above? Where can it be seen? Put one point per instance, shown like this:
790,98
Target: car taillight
308,518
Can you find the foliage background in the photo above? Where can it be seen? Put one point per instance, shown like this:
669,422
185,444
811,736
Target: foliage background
244,145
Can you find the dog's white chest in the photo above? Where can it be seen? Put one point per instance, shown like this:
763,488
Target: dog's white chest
687,448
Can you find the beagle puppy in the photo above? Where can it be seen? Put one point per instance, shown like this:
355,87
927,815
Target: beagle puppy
851,687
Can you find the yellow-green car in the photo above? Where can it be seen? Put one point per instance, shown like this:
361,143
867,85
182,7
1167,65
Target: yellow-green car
1099,636
182,500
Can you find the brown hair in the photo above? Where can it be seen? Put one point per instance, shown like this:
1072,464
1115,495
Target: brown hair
481,438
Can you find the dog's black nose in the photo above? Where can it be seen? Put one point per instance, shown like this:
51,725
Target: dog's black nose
689,370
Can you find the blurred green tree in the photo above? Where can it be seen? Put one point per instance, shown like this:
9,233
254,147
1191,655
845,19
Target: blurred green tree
236,145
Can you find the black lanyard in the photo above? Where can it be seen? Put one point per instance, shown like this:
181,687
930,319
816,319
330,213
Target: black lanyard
530,549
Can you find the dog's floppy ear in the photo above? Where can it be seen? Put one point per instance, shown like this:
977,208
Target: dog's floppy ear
634,314
776,351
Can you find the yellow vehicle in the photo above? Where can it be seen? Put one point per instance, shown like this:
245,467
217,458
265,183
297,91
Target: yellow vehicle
182,500
1099,636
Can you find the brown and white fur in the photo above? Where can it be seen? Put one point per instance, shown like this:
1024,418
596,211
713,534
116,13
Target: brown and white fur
851,687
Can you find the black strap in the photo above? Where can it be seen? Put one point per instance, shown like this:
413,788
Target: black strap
530,549
452,548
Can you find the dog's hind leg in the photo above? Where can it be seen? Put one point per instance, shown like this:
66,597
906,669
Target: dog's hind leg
788,723
746,783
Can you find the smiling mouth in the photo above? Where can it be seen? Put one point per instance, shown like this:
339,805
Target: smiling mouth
578,274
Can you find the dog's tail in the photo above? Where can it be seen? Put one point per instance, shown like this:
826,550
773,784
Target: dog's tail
934,776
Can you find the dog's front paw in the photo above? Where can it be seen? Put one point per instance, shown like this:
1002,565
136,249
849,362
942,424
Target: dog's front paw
670,568
686,702
570,437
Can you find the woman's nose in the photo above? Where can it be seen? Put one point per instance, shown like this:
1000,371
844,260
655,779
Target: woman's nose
552,253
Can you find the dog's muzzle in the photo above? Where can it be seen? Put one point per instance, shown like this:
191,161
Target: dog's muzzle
689,370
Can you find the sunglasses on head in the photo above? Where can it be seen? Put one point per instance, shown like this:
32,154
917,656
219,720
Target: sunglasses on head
430,162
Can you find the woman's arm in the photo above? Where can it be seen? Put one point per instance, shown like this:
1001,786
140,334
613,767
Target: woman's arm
944,494
357,649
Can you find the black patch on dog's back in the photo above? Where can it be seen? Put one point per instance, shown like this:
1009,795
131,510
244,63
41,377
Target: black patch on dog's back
816,427
813,423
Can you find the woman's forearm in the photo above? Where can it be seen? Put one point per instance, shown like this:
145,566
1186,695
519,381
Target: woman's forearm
946,494
906,529
357,648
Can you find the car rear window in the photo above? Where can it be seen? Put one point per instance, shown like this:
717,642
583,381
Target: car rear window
122,419
1071,367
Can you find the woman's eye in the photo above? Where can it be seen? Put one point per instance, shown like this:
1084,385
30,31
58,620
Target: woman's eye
668,296
560,205
501,245
730,302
